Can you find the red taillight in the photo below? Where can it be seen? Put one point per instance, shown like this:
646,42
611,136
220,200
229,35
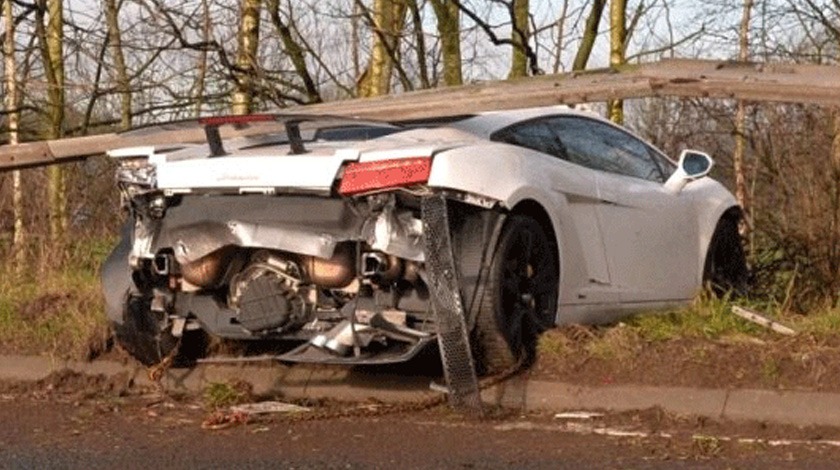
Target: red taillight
360,177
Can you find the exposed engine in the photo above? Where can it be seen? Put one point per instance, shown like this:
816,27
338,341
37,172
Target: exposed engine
269,295
341,276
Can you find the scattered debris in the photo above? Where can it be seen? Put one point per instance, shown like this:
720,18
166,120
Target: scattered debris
790,442
219,420
579,428
266,407
578,415
439,388
762,320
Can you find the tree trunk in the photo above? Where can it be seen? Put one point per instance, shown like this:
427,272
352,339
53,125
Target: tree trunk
420,43
519,35
198,88
741,124
590,32
246,56
834,254
115,42
50,41
294,51
354,37
388,21
449,29
561,31
618,34
10,102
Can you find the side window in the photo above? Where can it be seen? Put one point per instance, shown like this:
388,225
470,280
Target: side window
667,166
602,147
535,135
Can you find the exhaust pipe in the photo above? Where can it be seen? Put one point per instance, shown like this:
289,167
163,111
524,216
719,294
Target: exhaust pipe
341,339
345,336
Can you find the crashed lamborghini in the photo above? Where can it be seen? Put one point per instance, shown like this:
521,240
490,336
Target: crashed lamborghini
313,233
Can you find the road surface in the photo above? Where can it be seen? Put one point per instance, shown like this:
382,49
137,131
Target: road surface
51,427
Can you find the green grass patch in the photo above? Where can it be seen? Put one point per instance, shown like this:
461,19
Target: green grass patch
58,311
224,394
707,317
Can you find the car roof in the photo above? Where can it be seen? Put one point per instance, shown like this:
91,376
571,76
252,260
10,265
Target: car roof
486,124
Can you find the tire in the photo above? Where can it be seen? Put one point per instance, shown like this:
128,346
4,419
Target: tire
519,298
144,335
725,270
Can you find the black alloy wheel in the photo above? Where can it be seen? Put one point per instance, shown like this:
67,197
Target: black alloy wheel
520,299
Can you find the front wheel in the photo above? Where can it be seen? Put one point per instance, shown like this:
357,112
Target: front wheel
520,297
725,270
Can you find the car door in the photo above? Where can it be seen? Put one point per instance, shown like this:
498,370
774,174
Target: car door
584,261
649,234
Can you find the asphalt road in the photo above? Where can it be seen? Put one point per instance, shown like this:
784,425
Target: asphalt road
42,430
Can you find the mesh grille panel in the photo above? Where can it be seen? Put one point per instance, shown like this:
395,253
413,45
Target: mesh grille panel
453,338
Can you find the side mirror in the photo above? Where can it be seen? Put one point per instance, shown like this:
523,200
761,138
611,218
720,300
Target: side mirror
692,165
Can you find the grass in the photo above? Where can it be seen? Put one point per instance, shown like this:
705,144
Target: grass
219,395
58,311
712,318
706,318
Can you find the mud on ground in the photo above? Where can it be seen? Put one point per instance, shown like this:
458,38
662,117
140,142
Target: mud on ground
620,355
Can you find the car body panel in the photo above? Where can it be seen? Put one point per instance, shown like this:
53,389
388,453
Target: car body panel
303,172
650,240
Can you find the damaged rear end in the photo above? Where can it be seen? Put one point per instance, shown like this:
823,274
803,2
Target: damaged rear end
309,235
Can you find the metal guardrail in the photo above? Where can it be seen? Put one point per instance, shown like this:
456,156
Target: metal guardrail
757,82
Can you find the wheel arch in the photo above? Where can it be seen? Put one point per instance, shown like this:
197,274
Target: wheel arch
725,212
724,266
535,210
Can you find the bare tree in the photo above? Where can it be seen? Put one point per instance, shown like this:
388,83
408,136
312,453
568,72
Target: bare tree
11,103
419,43
524,46
246,56
449,28
519,36
115,43
741,123
294,51
387,21
201,78
590,33
618,41
51,43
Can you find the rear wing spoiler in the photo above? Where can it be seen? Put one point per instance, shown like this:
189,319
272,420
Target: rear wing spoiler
212,131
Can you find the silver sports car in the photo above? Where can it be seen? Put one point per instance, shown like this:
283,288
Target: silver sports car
325,234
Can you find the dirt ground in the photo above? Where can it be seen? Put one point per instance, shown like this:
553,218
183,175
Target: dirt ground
70,420
615,355
591,356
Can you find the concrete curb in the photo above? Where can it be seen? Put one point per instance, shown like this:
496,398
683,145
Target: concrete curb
785,407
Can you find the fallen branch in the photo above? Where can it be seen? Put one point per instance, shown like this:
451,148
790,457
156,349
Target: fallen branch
757,318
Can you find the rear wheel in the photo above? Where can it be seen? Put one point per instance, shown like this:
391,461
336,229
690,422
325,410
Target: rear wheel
520,298
147,337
